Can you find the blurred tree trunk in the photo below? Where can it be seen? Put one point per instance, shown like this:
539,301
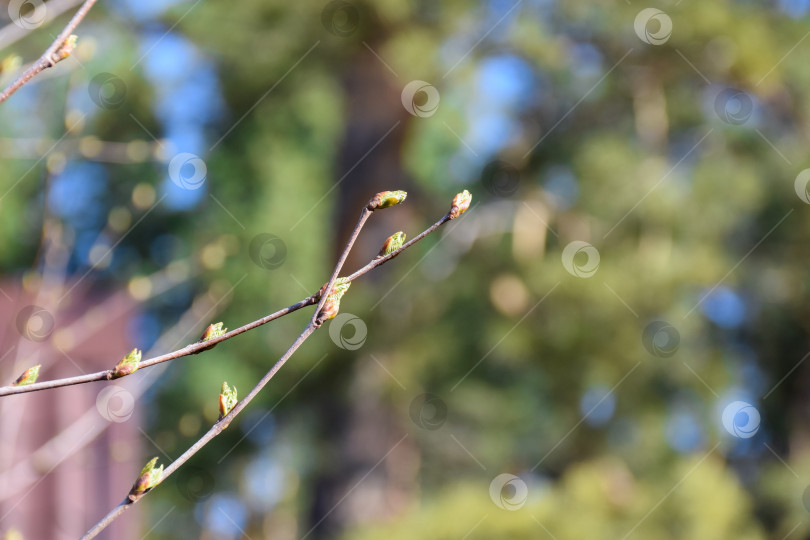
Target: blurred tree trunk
361,432
371,152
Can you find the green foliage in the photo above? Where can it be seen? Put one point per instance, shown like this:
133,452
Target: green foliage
677,202
597,499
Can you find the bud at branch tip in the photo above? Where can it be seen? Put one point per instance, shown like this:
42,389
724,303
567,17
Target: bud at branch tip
384,199
461,203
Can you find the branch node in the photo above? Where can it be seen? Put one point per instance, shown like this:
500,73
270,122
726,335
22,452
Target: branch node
328,306
332,305
149,478
64,50
392,243
213,331
127,366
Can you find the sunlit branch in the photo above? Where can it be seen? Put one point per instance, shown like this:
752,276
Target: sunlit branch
315,322
58,50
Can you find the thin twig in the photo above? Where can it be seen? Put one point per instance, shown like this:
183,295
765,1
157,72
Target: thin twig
185,351
12,32
382,260
223,423
215,430
90,425
201,346
360,222
313,325
50,57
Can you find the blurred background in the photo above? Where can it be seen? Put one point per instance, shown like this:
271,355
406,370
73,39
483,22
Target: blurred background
611,343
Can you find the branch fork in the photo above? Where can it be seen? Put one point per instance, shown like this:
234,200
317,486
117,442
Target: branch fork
328,306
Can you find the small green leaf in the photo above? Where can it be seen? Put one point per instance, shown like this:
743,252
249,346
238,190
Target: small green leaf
128,365
384,199
392,243
332,305
227,399
150,477
29,376
339,288
461,202
213,331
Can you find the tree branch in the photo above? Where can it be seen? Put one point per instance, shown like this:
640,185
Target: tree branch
314,323
58,50
193,348
90,425
382,260
215,430
364,215
11,33
200,346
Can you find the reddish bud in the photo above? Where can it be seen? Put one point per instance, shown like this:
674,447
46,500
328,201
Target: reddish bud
384,199
461,202
227,400
149,478
128,365
392,243
29,376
